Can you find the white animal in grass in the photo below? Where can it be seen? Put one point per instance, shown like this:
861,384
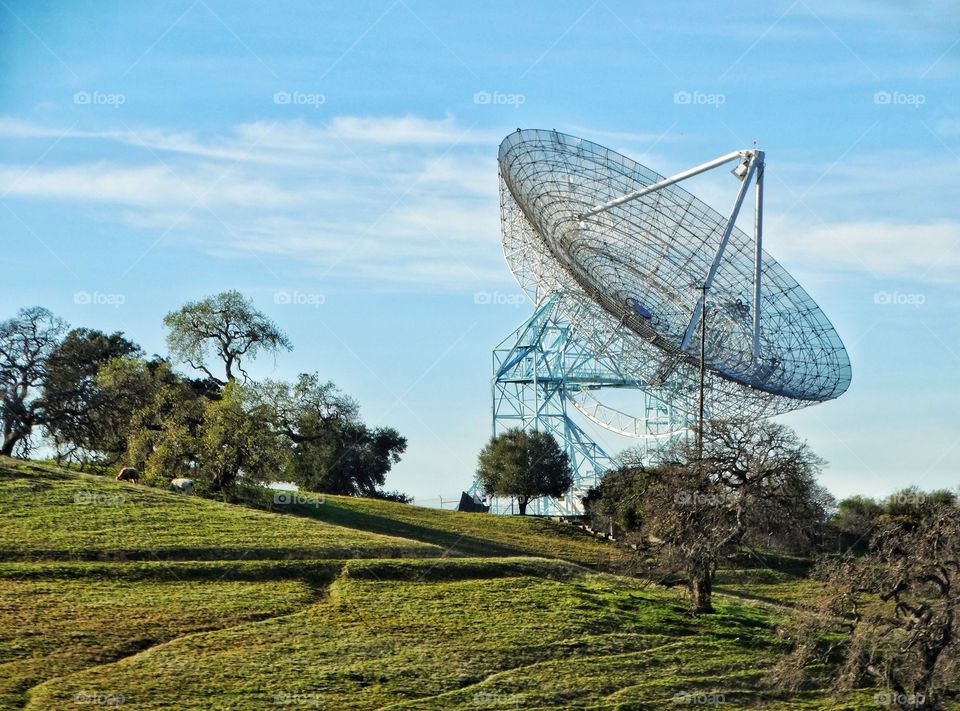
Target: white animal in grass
182,486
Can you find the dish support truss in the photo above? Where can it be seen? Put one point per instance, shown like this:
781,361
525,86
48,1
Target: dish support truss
708,326
643,255
542,370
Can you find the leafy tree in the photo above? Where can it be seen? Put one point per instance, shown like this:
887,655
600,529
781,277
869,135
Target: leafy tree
856,516
332,450
304,410
352,461
163,435
911,506
892,615
225,326
356,461
525,465
26,343
755,479
129,386
859,516
76,404
616,504
236,441
398,497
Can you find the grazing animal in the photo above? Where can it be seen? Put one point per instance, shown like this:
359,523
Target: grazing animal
184,486
129,474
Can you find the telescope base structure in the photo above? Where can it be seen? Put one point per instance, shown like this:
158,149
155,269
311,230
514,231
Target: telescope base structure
540,371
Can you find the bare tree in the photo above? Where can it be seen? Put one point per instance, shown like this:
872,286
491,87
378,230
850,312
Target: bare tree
225,325
754,478
898,607
26,343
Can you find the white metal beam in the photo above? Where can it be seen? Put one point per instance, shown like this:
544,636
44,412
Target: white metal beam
708,282
660,184
757,257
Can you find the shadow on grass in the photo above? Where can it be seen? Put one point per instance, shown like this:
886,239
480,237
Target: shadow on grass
459,569
454,543
313,572
18,469
212,554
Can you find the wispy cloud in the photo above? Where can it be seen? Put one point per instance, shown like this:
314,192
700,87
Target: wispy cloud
948,127
143,186
407,130
276,142
913,252
399,200
411,200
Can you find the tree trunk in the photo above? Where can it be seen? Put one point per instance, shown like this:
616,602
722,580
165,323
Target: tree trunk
921,698
10,440
701,590
522,502
16,429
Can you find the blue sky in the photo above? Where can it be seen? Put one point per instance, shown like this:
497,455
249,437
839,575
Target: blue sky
337,162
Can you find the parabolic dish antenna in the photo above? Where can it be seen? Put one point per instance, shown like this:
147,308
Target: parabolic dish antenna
625,268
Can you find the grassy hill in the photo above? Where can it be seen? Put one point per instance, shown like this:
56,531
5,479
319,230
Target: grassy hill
466,533
116,594
55,515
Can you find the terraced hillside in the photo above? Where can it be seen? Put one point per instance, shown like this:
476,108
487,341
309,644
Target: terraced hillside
114,594
55,515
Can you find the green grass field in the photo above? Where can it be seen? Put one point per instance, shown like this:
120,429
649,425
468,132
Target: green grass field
63,618
465,533
156,601
54,515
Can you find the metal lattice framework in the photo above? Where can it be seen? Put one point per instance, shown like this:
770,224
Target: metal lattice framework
635,272
541,372
622,264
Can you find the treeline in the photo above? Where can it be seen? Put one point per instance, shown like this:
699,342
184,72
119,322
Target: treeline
888,571
858,517
748,484
98,399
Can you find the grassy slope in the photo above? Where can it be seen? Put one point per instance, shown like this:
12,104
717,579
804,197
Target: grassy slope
221,631
59,619
53,515
443,635
467,533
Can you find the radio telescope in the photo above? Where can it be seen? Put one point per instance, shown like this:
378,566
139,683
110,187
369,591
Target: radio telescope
625,269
